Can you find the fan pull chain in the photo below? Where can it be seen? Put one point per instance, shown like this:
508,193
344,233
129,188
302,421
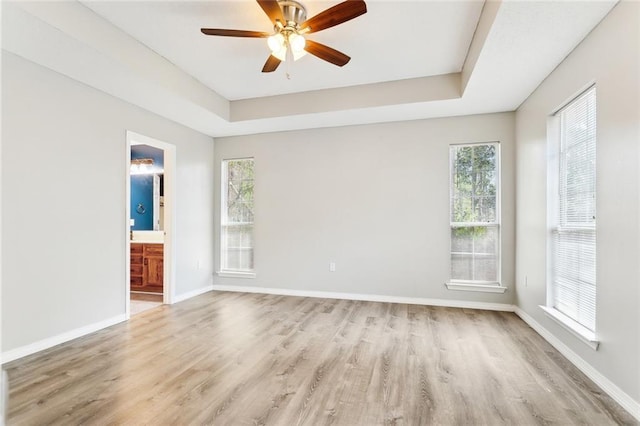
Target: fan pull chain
289,60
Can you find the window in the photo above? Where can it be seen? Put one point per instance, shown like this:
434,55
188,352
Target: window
572,205
236,241
475,217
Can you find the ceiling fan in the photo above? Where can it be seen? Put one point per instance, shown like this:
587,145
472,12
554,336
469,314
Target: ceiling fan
290,25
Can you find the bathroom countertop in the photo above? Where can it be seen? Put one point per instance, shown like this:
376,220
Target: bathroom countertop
147,237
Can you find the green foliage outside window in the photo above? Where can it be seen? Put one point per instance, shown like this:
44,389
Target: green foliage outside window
240,191
474,188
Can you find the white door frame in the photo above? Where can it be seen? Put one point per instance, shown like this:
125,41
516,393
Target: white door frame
169,278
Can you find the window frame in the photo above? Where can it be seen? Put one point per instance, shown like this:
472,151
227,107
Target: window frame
554,226
224,183
478,285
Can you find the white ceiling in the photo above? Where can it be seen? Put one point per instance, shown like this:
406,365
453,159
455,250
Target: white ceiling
392,41
410,59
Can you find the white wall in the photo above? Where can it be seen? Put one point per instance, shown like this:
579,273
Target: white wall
609,57
63,198
373,198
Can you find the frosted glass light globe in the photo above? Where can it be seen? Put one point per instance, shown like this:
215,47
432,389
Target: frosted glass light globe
297,42
275,42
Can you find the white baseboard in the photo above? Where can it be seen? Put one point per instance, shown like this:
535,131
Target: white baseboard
618,395
50,342
192,293
369,297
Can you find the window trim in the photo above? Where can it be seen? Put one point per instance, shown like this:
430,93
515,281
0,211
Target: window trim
231,273
489,287
554,129
581,332
477,285
227,273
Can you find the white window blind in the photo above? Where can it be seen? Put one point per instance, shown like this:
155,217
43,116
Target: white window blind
574,236
236,227
475,213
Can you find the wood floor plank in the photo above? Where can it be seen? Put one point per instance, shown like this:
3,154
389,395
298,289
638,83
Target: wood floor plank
255,359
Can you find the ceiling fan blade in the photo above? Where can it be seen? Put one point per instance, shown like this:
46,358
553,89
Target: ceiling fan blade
327,53
233,33
272,9
335,15
271,64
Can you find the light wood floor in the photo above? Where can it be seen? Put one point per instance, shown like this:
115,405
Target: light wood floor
245,359
146,297
140,302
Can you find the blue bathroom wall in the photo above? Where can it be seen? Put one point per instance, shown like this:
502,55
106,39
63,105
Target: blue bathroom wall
142,199
142,187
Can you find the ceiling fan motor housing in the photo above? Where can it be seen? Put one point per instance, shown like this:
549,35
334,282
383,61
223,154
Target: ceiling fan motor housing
294,13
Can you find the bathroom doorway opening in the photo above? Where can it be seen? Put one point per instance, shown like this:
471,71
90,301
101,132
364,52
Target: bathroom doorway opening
150,223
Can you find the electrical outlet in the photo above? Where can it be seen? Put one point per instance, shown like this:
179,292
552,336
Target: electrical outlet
332,266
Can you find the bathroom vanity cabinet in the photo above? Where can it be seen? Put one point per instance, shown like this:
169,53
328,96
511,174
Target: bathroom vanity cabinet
147,267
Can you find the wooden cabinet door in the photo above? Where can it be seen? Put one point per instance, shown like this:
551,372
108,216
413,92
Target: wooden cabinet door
154,271
153,267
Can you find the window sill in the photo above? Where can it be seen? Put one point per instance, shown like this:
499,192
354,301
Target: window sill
585,335
236,274
482,288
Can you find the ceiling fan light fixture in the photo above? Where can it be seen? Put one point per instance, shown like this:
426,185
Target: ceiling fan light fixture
276,42
281,54
297,42
280,42
278,46
298,55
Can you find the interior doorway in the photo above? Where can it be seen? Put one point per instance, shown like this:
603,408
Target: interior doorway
150,221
